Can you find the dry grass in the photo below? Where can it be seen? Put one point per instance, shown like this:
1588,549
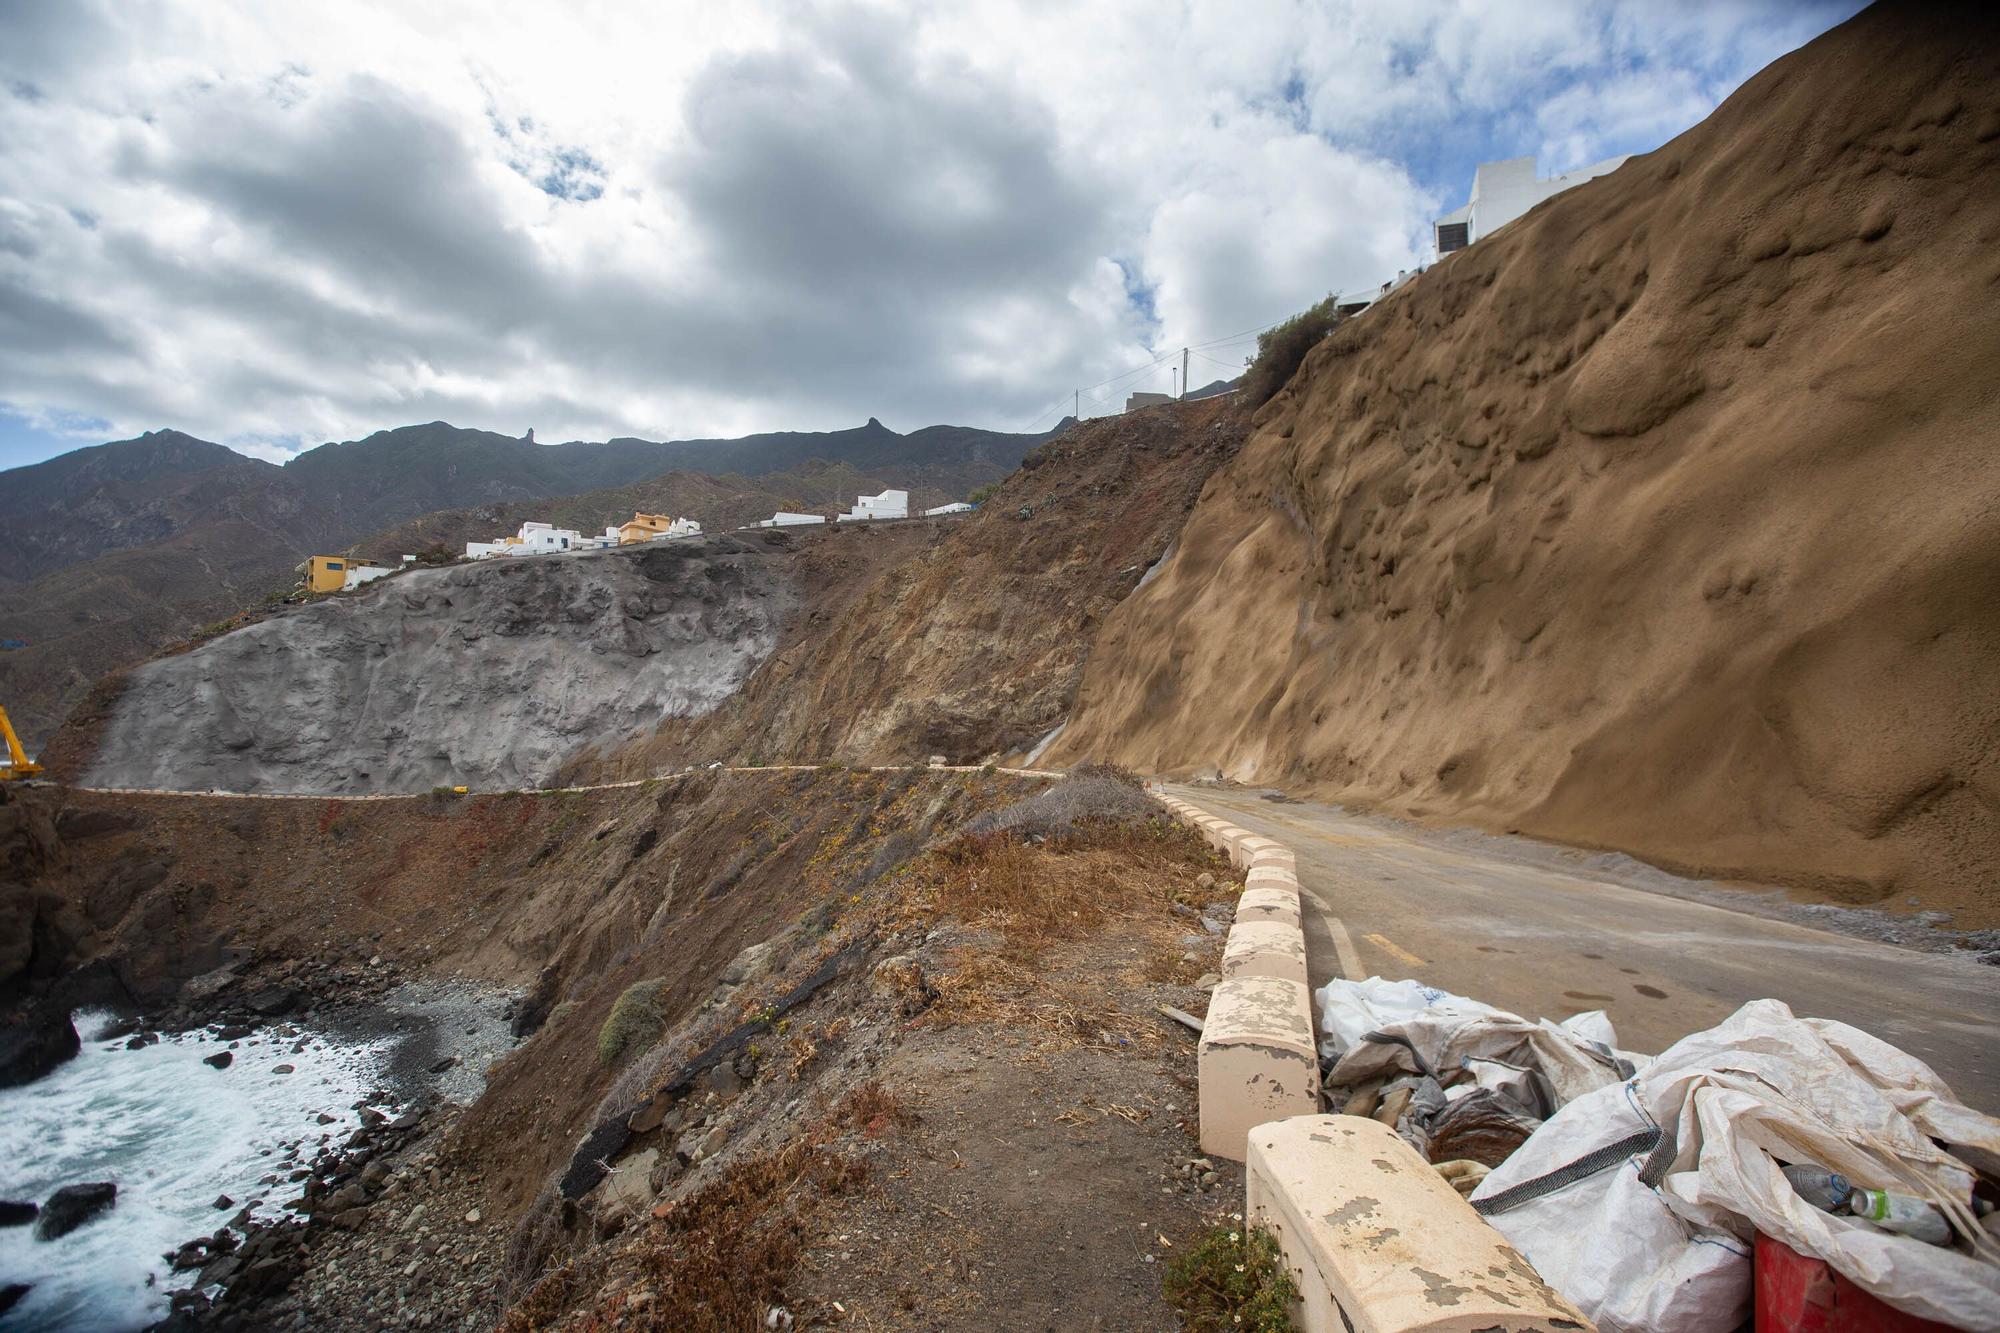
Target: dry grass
1059,1008
1165,966
1052,904
713,1262
872,1110
1068,886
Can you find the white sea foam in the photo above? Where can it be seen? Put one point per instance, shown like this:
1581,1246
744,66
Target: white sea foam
173,1134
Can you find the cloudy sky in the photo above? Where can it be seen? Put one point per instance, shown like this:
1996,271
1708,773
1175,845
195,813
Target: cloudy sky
278,224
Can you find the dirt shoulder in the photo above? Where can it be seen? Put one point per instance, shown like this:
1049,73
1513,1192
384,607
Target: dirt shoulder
988,1126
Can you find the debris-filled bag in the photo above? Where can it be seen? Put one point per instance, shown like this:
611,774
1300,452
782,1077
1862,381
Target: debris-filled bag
1641,1201
1377,1027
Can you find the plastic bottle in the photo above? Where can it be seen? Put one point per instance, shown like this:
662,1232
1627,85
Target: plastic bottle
1825,1190
1899,1212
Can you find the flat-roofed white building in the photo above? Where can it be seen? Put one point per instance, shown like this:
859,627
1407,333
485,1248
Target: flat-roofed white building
955,507
533,539
889,504
785,518
1502,191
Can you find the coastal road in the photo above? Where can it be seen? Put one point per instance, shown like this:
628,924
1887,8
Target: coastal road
1546,931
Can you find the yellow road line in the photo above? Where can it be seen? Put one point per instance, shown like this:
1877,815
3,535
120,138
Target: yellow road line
1394,950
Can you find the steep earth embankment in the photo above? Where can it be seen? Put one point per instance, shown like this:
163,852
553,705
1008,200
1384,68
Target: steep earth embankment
488,675
971,645
1667,519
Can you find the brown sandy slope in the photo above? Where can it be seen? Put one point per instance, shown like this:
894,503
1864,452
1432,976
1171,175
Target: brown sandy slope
965,637
1668,519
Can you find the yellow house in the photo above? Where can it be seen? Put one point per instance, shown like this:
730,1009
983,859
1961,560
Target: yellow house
643,528
330,573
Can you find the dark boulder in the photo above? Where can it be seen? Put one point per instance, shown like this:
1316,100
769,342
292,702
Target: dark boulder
276,1001
16,1214
11,1294
34,1039
220,1060
73,1205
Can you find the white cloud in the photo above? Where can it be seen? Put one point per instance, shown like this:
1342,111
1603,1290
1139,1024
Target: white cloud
268,224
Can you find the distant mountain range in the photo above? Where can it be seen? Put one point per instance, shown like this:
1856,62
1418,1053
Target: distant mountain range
115,551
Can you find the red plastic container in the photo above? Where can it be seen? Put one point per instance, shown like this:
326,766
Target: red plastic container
1796,1294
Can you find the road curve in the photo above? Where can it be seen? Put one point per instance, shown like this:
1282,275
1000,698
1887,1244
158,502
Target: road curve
1548,932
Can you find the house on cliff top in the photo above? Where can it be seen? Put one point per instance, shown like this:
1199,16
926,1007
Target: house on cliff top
1502,191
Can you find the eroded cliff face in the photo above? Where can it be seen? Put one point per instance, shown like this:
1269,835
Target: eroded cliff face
1667,519
487,675
964,637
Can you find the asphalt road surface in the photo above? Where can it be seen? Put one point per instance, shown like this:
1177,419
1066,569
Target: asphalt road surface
1548,932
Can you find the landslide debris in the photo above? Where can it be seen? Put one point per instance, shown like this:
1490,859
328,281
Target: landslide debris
487,675
1667,519
965,639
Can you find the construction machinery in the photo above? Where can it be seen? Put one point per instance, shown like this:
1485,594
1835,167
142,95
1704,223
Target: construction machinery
18,765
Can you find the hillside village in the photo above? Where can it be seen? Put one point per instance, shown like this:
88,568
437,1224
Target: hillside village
345,573
1485,819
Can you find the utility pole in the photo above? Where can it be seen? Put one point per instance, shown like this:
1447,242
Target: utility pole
1076,404
1184,364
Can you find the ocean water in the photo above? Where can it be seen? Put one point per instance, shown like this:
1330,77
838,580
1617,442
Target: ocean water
173,1134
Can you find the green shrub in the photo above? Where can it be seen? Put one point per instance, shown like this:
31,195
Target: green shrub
1230,1281
981,494
634,1023
1281,350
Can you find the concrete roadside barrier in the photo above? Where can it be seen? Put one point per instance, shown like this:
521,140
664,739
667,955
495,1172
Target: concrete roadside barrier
1265,873
1378,1242
1264,949
1244,847
1257,1061
1274,858
1270,902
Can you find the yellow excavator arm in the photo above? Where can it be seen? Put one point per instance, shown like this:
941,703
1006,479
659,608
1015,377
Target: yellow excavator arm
18,764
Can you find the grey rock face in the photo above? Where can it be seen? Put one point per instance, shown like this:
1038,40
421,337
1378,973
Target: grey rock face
486,675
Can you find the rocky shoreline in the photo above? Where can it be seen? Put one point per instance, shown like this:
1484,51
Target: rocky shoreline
443,1033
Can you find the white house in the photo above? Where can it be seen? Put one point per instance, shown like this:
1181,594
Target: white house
784,518
533,539
889,504
358,574
1353,303
955,507
1502,191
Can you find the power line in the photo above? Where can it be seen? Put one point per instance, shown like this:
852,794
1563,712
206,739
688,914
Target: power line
1096,398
